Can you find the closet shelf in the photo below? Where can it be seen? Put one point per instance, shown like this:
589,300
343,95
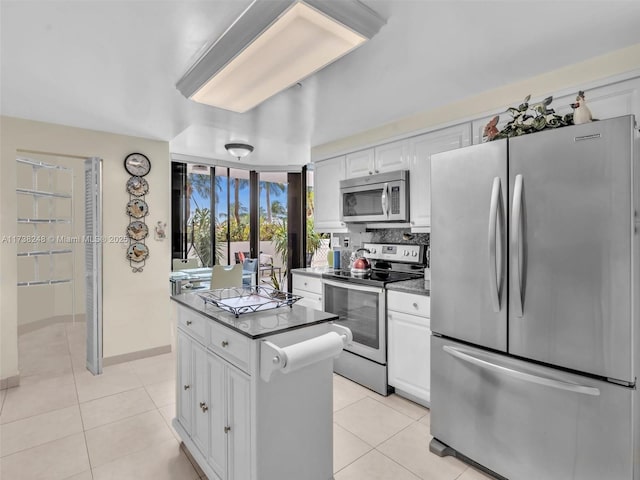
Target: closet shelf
39,193
44,282
44,220
39,253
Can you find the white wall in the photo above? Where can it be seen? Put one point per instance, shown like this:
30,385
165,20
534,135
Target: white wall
136,305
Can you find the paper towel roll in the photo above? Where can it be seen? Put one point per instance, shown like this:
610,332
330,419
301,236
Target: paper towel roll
311,351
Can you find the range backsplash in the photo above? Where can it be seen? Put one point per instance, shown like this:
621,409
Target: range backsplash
349,242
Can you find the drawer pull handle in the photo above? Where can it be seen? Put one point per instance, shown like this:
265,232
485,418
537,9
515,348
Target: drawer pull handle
204,407
187,387
225,344
189,322
227,429
415,305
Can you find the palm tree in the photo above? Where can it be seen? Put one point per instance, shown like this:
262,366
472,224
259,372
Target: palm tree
278,210
269,188
238,184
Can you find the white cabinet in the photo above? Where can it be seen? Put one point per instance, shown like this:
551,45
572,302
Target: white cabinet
391,156
309,288
213,409
360,164
420,150
238,425
409,337
383,158
326,184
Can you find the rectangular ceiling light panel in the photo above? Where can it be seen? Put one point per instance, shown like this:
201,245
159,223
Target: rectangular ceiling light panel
300,42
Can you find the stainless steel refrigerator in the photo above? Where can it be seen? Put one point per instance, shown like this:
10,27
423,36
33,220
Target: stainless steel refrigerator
535,308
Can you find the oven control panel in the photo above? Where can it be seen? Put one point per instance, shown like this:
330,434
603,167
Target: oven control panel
395,252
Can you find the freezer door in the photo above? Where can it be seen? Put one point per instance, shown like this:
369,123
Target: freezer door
468,244
571,231
527,422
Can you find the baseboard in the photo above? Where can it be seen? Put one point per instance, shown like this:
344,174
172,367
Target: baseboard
9,382
45,322
129,357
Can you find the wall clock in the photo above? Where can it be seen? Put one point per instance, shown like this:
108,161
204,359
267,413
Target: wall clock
137,164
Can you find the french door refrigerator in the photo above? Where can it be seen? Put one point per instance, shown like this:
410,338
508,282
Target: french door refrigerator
535,306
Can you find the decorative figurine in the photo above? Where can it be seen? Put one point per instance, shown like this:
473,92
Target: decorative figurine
160,230
581,113
490,129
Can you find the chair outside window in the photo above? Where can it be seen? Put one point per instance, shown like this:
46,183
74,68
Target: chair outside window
249,265
226,277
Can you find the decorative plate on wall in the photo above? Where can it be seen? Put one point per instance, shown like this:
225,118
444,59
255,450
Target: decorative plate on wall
137,252
137,186
137,208
137,230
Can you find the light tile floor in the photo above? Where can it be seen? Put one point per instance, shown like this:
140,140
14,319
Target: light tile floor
64,423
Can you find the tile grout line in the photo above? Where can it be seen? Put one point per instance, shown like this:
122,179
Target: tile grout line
75,384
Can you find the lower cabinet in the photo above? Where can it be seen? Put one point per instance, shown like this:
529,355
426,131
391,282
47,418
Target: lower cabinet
213,408
309,288
409,337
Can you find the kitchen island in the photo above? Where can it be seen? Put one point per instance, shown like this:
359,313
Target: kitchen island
254,392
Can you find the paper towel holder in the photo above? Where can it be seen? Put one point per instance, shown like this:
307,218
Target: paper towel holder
274,358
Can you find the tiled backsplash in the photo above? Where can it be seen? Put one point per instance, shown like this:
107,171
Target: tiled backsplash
355,240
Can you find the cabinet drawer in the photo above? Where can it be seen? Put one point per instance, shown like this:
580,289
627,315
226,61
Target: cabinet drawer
230,345
194,324
409,303
307,283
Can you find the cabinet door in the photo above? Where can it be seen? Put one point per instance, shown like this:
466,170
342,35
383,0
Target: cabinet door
309,299
200,385
420,150
391,156
184,402
239,424
217,455
360,164
326,185
409,354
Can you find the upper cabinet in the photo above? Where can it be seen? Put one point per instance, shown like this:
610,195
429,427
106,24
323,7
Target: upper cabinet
326,184
420,150
384,158
359,164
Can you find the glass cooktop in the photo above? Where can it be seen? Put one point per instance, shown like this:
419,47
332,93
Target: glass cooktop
375,277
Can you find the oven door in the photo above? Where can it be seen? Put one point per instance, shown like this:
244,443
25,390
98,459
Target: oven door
363,310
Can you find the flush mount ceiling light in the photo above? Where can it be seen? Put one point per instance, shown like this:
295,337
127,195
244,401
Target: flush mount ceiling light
239,150
273,45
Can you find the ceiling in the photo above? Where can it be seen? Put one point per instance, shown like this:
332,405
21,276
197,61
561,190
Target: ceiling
112,66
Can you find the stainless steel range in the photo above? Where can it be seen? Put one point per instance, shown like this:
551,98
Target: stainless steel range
360,301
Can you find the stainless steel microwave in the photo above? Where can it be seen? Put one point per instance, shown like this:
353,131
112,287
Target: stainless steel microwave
376,198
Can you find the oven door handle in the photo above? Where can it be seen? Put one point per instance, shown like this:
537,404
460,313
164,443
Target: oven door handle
353,286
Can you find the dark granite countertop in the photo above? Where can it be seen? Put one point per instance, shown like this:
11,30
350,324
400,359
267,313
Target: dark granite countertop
419,286
258,324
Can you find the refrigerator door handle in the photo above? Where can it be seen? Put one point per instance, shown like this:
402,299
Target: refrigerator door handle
516,243
527,377
495,277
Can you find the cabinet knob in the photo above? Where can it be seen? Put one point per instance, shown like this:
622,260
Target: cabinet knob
204,407
225,344
377,171
187,387
227,429
415,305
370,172
305,284
189,322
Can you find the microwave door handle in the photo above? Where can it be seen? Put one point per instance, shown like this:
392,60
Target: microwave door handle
385,199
